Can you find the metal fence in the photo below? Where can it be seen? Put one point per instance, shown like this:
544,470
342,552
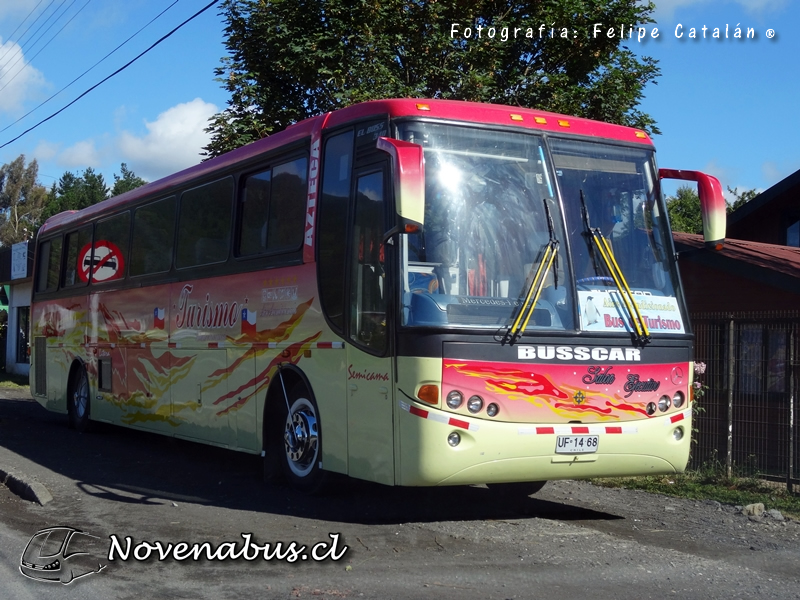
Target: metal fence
748,417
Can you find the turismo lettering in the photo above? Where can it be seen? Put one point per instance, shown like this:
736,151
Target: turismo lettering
210,315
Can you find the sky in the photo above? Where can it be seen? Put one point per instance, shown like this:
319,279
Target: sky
725,106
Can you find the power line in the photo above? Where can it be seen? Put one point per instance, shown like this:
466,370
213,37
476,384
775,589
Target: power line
33,10
20,43
30,60
122,68
30,112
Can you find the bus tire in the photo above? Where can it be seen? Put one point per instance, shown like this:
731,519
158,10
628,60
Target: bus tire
301,438
78,400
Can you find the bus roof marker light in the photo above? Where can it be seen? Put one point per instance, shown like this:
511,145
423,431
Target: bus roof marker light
563,122
641,135
540,120
515,117
421,106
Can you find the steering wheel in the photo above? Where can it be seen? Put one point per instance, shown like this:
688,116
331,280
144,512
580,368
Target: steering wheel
590,280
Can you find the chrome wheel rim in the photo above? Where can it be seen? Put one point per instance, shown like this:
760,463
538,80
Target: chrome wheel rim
301,437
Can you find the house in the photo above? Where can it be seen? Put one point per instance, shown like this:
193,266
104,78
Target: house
744,304
16,283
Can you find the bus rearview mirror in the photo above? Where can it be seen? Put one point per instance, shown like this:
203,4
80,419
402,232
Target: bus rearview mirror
408,168
713,207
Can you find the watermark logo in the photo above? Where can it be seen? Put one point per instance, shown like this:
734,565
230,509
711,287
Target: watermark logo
63,554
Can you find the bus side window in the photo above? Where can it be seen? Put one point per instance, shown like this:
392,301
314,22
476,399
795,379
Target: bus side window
255,209
332,225
110,250
368,283
77,266
287,210
49,265
153,234
204,224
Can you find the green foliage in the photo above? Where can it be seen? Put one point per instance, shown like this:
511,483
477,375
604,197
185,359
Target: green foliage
684,211
710,482
74,192
126,181
21,200
741,198
291,60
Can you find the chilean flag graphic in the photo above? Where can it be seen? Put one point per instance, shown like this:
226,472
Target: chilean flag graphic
158,318
248,322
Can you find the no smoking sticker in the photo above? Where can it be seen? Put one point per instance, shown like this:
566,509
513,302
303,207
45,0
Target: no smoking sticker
104,262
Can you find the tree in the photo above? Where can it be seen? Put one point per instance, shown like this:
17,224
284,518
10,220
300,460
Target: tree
291,60
741,198
684,210
21,200
126,181
74,192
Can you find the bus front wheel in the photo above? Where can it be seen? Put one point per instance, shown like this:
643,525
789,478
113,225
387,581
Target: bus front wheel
78,401
302,442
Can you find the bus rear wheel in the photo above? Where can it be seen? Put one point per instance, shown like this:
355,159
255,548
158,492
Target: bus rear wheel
78,401
302,442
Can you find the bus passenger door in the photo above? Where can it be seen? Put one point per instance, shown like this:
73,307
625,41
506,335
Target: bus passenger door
370,374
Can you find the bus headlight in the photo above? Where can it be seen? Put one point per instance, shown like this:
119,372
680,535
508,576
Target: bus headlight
492,410
664,403
677,399
651,408
475,404
454,399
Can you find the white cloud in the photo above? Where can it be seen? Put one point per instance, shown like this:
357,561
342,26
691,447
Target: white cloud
19,81
79,156
173,141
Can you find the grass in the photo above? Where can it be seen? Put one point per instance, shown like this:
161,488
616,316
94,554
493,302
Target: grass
712,483
8,380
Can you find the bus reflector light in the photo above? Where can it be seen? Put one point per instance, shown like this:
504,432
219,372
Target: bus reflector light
429,394
664,403
475,404
454,399
677,399
492,410
454,439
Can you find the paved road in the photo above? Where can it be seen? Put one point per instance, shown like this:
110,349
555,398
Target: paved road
573,540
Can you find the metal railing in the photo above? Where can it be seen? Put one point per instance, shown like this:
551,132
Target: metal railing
748,416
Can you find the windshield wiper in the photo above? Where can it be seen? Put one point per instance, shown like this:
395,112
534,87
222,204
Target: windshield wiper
603,247
549,259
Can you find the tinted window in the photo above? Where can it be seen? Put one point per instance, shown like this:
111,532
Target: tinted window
332,225
153,230
77,266
48,267
204,224
110,254
274,208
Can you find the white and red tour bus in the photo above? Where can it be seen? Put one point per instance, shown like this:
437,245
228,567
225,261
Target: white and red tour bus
410,292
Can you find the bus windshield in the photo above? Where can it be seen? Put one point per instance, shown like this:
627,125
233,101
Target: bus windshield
493,207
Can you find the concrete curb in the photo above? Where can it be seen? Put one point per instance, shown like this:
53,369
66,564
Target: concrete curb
24,488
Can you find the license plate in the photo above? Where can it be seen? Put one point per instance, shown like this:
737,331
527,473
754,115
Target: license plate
577,444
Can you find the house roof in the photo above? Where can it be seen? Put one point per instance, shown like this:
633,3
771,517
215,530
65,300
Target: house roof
769,264
764,198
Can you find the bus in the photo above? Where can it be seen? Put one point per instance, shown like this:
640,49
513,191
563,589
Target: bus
410,292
